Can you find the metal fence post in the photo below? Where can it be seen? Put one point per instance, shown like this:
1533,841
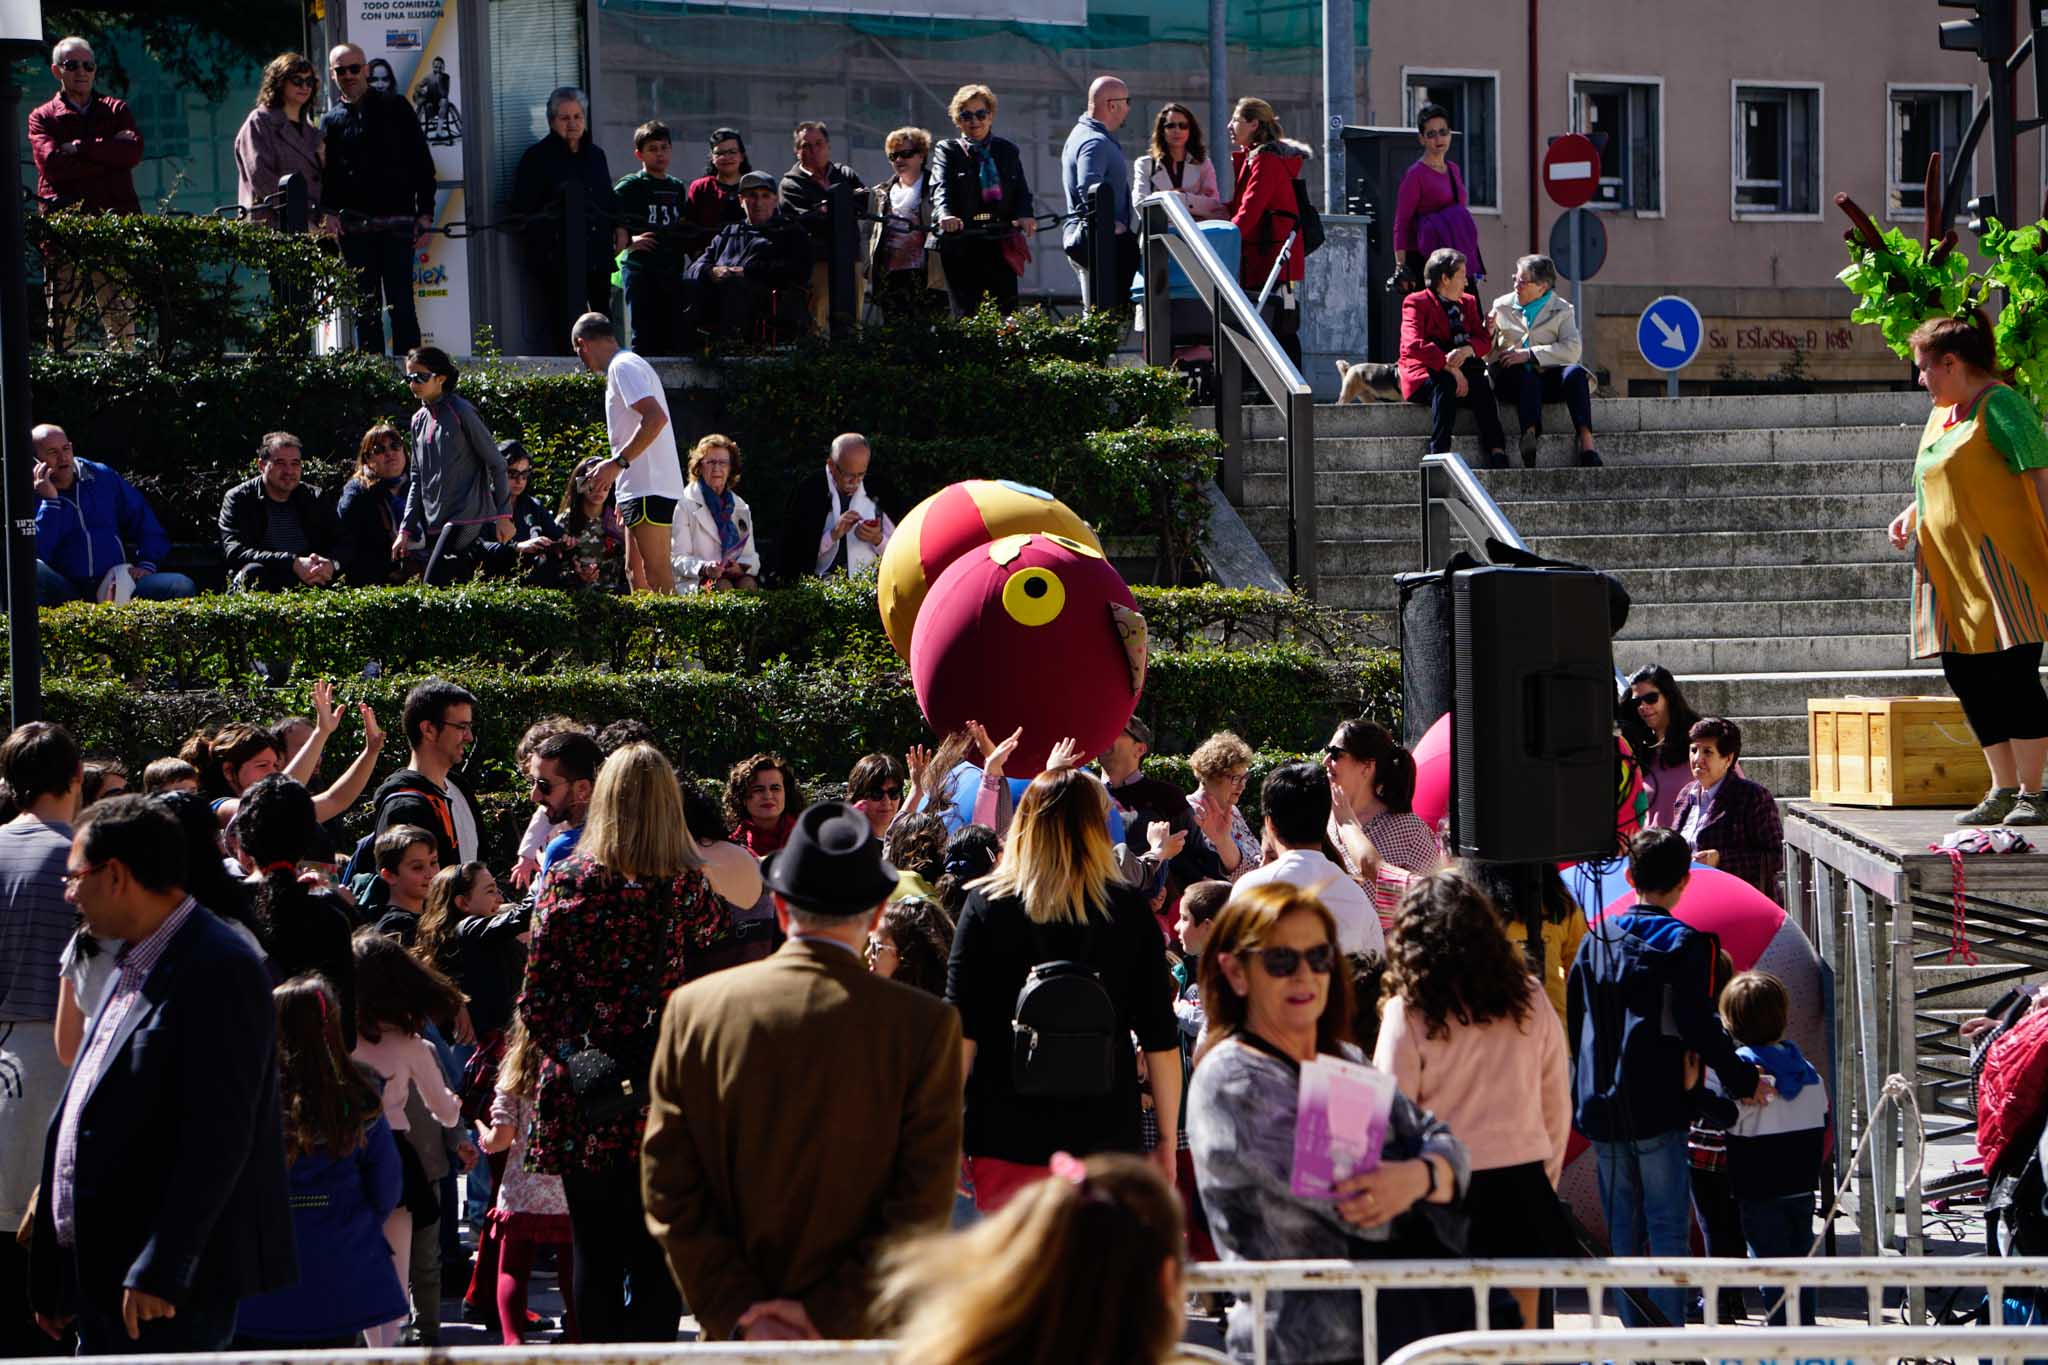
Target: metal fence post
1102,247
293,218
1158,319
1229,406
1301,491
843,229
575,253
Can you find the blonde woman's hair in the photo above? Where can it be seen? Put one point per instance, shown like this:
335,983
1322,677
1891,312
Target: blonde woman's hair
519,1069
914,139
1058,860
710,443
1261,113
636,824
969,92
1005,1288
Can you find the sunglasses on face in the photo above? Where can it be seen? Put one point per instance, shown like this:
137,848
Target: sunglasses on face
973,115
347,68
725,151
1283,962
386,448
1176,127
903,155
414,377
76,65
892,791
300,78
1648,698
514,473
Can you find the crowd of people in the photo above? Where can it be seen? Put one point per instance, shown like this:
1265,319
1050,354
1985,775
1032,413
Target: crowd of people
1041,1008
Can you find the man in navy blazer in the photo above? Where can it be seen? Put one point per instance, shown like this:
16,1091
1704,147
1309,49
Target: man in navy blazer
163,1191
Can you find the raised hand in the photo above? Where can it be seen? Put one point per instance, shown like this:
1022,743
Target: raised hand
1065,754
999,756
326,715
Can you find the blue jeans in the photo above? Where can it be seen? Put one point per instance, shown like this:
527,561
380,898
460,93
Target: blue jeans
1781,1227
54,589
1646,1194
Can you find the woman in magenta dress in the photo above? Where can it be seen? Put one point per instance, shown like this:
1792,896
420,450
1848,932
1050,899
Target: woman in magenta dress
1432,209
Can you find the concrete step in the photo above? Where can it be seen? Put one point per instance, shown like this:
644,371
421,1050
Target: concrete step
1765,445
1628,484
1718,585
1680,520
1708,619
1788,411
1780,654
1783,776
1785,694
1633,550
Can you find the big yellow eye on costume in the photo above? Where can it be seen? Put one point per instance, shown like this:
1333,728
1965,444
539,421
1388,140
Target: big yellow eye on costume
1034,597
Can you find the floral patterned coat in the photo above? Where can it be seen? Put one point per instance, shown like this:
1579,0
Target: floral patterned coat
606,953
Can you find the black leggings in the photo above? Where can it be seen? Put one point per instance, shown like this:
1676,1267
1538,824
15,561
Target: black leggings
2001,694
613,1247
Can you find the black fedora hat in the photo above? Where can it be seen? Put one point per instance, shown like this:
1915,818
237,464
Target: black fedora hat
832,864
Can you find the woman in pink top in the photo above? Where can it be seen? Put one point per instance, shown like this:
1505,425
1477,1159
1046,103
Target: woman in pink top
1468,1035
1431,210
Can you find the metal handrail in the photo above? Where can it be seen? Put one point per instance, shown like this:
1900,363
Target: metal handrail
1167,231
1873,1344
1452,492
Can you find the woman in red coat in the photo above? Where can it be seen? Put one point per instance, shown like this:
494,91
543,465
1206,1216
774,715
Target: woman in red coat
1263,166
1444,343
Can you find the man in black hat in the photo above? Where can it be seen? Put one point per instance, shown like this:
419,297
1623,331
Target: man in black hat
755,271
804,1111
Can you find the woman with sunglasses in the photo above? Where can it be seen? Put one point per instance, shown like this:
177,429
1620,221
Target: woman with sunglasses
534,554
983,205
1461,1011
1669,717
1179,161
875,789
1432,209
909,280
1266,987
1372,789
372,512
1055,897
280,138
713,199
458,476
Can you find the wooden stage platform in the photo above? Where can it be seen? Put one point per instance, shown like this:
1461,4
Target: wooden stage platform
1887,851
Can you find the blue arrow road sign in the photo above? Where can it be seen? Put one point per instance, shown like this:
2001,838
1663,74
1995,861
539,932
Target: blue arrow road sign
1668,333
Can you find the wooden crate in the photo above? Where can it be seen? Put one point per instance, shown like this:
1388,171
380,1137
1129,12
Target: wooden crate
1893,751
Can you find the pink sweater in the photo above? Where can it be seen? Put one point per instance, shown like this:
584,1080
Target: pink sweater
406,1061
1504,1088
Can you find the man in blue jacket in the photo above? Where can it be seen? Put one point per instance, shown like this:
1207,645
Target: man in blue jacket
164,1198
1639,998
758,269
1093,157
91,520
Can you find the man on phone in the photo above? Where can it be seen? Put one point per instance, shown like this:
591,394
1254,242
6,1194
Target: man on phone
834,522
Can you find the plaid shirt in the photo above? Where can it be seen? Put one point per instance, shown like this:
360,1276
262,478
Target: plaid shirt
1742,826
132,968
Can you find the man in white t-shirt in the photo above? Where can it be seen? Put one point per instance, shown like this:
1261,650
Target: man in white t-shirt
1296,799
644,464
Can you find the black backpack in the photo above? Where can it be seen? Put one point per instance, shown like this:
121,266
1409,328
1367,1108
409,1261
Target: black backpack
1307,220
1064,1035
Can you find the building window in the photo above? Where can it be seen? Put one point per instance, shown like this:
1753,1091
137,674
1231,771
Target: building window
160,119
1924,121
1624,118
1777,150
1471,99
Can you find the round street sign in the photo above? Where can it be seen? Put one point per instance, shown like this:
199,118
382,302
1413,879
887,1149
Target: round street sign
1592,244
1571,171
1669,333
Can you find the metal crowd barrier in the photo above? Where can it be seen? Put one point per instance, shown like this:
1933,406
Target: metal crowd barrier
1599,1278
1803,1345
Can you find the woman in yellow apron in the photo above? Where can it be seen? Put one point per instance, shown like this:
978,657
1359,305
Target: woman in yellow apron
1980,558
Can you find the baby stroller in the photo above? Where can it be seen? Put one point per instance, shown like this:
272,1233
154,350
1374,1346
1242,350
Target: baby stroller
1192,329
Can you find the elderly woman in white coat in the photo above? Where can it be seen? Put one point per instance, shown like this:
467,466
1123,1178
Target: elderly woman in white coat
713,548
1178,160
1535,358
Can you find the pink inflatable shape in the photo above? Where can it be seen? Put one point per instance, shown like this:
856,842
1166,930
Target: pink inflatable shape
1724,905
1433,773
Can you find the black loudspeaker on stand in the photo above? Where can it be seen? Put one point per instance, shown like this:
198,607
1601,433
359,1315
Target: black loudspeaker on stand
1532,731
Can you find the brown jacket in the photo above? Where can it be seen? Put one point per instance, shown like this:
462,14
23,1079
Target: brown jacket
804,1113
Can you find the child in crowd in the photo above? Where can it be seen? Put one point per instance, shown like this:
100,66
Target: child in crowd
531,1210
346,1177
1774,1150
407,860
651,268
396,996
591,527
169,775
1636,1004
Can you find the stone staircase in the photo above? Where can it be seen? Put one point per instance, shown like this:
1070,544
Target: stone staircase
1750,532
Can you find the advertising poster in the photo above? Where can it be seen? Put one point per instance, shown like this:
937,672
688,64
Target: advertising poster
414,49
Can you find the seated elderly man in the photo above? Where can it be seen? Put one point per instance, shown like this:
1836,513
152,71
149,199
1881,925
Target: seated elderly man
274,528
832,521
754,271
96,539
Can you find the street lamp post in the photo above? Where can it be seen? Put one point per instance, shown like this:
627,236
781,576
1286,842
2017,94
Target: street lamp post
21,32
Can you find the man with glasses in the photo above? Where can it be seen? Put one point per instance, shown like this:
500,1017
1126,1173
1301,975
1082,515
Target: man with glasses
86,149
440,723
564,773
1093,157
1296,801
380,174
805,189
96,539
275,529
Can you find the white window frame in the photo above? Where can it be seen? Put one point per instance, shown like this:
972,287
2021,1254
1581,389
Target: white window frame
1892,90
1737,211
1468,73
1574,79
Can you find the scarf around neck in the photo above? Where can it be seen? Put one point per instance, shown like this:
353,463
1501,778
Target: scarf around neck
749,837
985,165
1530,310
720,506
